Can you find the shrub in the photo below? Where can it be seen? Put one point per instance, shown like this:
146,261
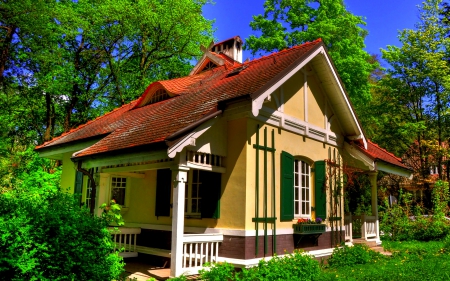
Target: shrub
47,236
401,222
295,266
350,256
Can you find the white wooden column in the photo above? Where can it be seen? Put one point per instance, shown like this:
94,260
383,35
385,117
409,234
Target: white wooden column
374,193
103,192
180,175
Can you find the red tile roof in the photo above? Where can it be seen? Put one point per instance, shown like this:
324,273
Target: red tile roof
193,97
376,153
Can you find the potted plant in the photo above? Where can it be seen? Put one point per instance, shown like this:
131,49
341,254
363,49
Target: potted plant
308,226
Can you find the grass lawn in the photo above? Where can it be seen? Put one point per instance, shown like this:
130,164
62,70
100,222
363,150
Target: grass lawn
410,261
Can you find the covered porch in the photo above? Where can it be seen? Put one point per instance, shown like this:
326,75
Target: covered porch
372,160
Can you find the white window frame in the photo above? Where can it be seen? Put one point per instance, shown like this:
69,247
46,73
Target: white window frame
188,197
126,187
302,168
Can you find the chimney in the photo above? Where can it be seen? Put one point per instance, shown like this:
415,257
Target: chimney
231,47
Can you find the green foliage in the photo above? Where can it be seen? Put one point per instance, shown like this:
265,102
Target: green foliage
111,213
402,222
286,23
66,62
295,266
411,101
350,256
410,261
47,236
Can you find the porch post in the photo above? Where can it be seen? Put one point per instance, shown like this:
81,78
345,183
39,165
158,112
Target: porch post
374,192
180,175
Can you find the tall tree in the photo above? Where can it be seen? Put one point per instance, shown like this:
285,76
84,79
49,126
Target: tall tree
286,23
86,57
420,71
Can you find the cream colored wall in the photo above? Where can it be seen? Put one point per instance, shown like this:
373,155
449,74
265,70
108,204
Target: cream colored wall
68,173
293,96
284,141
232,201
316,102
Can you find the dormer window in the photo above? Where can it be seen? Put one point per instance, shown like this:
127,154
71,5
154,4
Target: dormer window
158,96
209,66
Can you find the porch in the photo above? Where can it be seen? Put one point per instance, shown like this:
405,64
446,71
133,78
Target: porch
197,250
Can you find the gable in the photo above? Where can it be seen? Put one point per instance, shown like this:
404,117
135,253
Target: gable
311,93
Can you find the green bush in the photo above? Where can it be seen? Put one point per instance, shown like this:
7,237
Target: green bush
45,235
402,222
350,256
295,266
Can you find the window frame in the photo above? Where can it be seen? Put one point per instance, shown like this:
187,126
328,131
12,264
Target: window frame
126,187
188,194
299,185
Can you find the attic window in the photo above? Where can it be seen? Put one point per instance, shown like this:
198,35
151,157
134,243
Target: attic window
209,66
158,96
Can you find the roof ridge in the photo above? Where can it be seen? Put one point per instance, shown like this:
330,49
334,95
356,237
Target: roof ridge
284,51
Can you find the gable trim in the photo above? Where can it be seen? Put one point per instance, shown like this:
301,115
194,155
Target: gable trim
280,79
190,138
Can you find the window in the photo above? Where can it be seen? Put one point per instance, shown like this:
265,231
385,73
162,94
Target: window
118,190
302,192
202,194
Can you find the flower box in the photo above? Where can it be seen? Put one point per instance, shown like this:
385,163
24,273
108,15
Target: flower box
306,228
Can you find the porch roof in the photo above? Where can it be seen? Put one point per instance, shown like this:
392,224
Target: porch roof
192,98
377,153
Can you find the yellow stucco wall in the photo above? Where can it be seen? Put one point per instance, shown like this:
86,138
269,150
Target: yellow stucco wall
316,102
293,96
294,144
68,173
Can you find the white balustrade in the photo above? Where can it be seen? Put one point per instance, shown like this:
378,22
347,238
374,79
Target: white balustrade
348,228
125,239
199,249
370,226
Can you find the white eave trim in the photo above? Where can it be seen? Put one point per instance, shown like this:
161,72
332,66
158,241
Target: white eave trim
189,139
357,154
257,103
392,169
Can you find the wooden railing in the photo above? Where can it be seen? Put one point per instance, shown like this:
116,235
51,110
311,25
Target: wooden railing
363,226
348,228
125,240
370,227
199,249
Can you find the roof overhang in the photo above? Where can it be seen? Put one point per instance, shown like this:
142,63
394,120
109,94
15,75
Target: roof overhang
376,164
334,90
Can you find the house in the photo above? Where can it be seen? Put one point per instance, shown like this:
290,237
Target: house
220,164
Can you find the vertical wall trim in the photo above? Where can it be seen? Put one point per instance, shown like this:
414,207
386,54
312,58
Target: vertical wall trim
305,96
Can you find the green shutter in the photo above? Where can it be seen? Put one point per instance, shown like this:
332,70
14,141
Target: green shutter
78,182
320,190
163,189
210,191
287,187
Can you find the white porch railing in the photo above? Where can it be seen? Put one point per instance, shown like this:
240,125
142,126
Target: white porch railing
125,238
348,228
362,226
369,227
199,249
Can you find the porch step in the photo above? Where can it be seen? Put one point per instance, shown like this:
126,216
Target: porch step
163,274
370,243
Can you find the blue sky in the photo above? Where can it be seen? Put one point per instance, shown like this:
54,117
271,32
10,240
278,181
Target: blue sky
384,19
